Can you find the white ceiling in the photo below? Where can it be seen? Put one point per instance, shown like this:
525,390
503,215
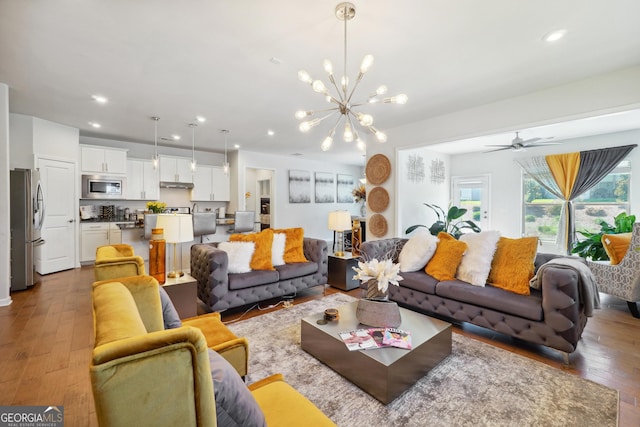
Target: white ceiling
179,59
557,132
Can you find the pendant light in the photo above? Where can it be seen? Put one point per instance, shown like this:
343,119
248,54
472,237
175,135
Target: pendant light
155,158
225,165
193,146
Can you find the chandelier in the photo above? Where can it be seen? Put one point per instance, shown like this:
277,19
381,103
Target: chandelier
342,99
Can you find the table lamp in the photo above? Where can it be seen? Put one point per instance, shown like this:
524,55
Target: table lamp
178,228
338,222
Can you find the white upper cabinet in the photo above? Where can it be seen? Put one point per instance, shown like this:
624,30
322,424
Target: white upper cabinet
142,180
175,169
101,160
210,183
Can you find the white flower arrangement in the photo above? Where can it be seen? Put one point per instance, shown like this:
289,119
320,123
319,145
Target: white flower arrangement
384,272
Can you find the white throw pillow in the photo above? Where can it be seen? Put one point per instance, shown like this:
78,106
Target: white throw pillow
277,248
476,262
239,254
418,250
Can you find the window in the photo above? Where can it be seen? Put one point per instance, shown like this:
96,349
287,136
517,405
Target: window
604,201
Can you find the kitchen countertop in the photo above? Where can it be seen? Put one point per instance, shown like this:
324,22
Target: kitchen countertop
131,225
123,225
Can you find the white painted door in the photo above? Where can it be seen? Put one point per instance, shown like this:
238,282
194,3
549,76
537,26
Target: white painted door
473,193
58,229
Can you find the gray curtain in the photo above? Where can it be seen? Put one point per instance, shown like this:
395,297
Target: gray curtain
594,166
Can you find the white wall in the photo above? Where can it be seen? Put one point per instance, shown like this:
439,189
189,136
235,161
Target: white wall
311,216
413,194
506,174
5,234
21,141
607,93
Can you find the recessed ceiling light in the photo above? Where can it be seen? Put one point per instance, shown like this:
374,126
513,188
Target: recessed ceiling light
554,36
100,99
236,145
175,137
95,125
270,132
201,119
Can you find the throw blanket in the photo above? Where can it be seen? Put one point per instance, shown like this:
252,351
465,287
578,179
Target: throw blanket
587,287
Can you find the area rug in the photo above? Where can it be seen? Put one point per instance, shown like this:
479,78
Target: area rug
477,385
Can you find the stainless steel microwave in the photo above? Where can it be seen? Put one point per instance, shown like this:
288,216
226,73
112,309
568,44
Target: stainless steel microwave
103,187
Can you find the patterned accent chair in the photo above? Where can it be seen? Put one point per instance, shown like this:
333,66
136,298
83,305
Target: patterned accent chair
622,280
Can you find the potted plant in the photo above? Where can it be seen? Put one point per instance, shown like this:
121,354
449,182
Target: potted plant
591,247
156,207
447,222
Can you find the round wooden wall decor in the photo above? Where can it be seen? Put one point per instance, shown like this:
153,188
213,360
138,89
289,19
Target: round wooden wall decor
378,169
377,225
378,199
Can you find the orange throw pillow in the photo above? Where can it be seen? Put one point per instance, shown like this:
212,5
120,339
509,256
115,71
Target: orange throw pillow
616,246
444,263
261,259
513,264
293,249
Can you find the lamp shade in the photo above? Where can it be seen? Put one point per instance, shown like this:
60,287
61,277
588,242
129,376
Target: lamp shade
339,220
177,228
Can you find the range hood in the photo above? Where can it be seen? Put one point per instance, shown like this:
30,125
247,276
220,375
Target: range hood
170,184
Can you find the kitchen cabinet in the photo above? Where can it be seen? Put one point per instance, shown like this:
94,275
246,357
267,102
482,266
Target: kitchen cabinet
175,169
101,160
142,180
210,183
97,234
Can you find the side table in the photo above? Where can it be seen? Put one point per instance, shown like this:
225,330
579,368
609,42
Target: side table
183,293
341,271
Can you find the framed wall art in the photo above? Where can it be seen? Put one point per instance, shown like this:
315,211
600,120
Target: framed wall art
299,186
325,187
345,187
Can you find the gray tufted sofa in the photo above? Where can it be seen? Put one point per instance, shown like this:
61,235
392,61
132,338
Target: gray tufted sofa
219,290
551,316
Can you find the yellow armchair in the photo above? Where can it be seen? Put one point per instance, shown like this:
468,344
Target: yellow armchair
222,340
217,336
113,261
144,374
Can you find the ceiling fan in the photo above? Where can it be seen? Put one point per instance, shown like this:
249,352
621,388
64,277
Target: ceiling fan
519,144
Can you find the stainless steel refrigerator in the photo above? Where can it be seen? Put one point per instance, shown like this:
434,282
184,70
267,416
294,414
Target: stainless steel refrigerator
27,215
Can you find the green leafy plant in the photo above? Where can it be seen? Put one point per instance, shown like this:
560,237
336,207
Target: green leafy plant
447,222
591,247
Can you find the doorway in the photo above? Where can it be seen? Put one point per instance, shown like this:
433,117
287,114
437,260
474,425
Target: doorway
473,194
259,195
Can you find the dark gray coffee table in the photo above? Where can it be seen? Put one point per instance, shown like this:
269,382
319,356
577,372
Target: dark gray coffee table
384,373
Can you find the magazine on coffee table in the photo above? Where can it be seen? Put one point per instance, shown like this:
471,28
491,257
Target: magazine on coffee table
358,339
397,338
378,335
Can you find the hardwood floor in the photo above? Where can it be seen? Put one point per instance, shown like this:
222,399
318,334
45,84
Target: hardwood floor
46,337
